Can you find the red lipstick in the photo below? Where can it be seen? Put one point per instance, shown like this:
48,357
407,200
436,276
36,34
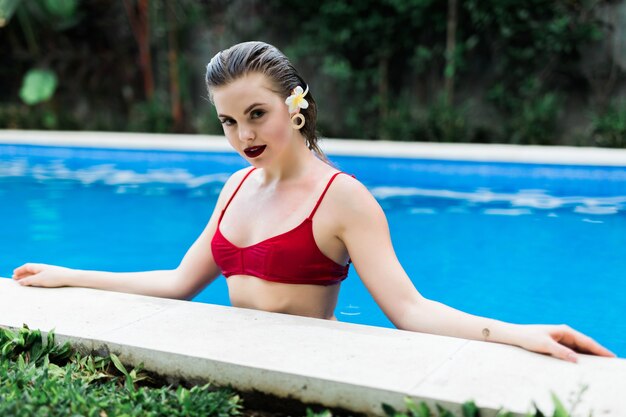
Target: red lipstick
254,151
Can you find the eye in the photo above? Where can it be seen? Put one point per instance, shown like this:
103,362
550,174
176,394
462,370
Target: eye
227,122
255,114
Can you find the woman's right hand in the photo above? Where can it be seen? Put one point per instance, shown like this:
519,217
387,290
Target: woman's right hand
43,275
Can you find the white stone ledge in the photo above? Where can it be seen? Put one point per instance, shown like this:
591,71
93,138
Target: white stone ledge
422,150
315,361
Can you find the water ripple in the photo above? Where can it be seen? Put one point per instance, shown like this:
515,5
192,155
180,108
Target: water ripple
108,174
514,203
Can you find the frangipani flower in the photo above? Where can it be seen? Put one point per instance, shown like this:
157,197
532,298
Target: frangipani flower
296,100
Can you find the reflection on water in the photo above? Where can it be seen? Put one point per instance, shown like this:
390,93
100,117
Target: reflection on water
350,310
518,203
107,174
164,181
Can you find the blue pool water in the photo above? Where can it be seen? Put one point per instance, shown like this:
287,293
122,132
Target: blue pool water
518,242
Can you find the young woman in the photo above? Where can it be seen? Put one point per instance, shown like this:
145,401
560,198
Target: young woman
284,231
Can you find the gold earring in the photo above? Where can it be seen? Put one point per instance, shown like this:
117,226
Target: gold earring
299,123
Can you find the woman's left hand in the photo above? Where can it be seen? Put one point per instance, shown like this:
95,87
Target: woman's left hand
560,341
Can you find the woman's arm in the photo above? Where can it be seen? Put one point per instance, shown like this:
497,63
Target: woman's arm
196,270
365,233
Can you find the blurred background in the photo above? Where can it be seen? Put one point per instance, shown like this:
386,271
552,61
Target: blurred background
488,71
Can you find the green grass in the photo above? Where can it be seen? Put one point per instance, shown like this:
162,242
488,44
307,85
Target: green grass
468,409
44,379
41,378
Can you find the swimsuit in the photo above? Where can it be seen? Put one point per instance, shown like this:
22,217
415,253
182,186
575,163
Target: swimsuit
291,257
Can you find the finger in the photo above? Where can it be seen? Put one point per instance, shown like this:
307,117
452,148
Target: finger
582,343
25,282
586,344
27,269
562,352
19,271
20,275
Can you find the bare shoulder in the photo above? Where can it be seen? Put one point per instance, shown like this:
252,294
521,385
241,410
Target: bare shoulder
236,177
352,201
347,185
231,184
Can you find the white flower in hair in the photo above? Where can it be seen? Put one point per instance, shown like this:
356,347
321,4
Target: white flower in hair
296,100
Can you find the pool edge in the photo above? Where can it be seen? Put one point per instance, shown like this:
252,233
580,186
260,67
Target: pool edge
421,150
314,361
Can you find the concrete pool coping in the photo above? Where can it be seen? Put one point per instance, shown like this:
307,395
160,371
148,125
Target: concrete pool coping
349,366
315,361
565,155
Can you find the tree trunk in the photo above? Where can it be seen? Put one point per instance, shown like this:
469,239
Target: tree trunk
138,16
172,58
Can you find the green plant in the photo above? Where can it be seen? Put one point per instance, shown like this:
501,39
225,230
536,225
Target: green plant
533,113
38,378
445,123
608,128
373,65
468,409
323,413
150,116
30,345
7,8
38,86
536,121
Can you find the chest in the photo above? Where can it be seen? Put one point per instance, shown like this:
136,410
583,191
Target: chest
256,216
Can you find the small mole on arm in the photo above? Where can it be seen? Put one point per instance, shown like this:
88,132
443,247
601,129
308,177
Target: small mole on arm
486,333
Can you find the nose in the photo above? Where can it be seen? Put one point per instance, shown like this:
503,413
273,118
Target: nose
246,134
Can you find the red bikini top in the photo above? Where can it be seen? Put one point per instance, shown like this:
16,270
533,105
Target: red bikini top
291,257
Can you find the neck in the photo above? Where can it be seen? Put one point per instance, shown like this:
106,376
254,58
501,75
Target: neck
294,163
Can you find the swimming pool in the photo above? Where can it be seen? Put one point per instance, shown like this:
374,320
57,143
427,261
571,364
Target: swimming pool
518,242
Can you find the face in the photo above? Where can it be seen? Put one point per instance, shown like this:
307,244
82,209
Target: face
255,119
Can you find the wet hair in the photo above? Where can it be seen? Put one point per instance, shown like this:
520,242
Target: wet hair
250,57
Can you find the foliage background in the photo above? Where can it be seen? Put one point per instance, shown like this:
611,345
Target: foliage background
506,71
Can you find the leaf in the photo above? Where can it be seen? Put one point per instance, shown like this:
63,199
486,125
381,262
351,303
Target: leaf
21,364
61,8
324,413
424,410
50,338
415,410
559,409
7,7
538,412
38,86
130,385
389,410
470,409
118,364
443,412
128,380
183,395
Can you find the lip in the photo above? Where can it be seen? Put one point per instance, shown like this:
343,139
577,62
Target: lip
254,151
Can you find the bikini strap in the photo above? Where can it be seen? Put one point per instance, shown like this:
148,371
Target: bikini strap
324,193
236,189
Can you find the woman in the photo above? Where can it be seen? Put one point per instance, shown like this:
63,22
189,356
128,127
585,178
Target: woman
284,231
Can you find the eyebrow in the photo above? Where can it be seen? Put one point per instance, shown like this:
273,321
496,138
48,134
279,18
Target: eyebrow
246,111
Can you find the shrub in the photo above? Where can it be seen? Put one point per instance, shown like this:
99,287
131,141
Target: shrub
608,128
38,378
